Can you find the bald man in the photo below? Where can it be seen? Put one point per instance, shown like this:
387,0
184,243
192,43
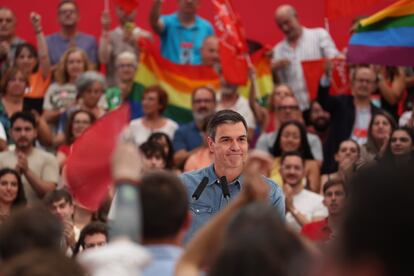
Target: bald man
209,51
300,44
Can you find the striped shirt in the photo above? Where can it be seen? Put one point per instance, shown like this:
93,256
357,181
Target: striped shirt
313,44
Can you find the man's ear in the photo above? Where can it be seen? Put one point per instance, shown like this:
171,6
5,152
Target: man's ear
210,143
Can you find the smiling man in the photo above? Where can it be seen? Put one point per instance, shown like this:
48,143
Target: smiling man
227,140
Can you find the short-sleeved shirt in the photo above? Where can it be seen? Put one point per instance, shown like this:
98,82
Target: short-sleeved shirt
211,200
242,106
41,163
57,45
187,137
141,133
59,96
119,45
181,44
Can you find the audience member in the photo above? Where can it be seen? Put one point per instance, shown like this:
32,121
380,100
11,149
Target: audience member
350,114
391,87
94,234
27,229
318,121
347,157
60,203
69,36
210,52
302,206
12,193
293,138
227,140
300,44
35,64
124,38
78,122
400,147
166,219
154,102
275,98
62,94
126,64
288,110
163,140
189,137
40,169
8,39
334,194
154,156
379,132
183,48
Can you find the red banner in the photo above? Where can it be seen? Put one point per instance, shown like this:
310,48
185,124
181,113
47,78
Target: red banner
314,69
344,8
233,47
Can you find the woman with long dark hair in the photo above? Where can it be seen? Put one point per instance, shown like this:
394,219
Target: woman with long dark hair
11,192
292,137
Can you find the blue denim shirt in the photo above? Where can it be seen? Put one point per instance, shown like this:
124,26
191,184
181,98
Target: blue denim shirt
212,200
164,260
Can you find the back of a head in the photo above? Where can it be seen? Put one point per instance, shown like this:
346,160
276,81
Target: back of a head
164,205
41,263
257,243
30,228
378,224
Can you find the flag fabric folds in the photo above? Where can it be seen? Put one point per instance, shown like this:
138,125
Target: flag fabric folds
314,69
88,170
386,37
232,43
127,5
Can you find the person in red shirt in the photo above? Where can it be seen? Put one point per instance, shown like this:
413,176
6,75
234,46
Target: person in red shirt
334,192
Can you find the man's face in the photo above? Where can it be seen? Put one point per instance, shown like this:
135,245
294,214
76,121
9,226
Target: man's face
125,17
23,134
203,104
334,199
154,162
229,146
125,69
7,23
188,6
292,170
94,240
209,51
288,110
62,209
288,24
68,15
364,83
319,118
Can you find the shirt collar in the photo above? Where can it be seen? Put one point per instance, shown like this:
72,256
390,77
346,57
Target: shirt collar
212,177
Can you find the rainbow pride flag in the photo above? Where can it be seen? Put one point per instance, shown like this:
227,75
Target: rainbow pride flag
180,80
386,38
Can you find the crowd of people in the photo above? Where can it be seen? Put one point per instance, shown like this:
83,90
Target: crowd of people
291,187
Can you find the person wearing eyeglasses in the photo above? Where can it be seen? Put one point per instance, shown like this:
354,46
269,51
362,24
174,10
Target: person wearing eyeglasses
68,36
286,110
189,137
350,114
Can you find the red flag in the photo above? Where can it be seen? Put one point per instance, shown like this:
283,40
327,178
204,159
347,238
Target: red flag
127,5
313,71
233,47
88,168
342,8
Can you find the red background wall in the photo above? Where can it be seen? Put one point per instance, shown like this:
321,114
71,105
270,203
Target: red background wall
257,16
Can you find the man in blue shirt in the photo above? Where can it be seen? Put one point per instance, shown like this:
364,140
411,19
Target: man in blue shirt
68,36
227,140
189,137
182,33
165,219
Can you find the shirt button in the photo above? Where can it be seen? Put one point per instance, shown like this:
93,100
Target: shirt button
198,211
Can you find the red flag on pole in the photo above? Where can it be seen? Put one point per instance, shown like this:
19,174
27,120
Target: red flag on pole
314,69
233,47
88,170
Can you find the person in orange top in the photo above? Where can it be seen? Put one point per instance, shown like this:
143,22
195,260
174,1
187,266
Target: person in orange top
36,65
